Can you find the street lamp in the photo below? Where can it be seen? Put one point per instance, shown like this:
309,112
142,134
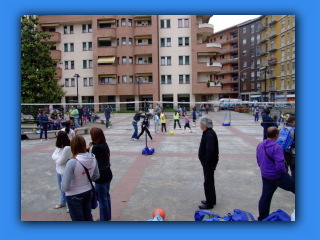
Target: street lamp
77,76
241,79
266,71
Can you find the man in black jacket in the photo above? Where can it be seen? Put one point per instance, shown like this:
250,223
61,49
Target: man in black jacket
80,110
209,157
267,121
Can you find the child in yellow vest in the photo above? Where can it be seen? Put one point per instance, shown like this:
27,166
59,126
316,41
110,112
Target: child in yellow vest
163,122
176,119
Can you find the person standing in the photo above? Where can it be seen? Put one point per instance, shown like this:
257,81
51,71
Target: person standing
158,110
256,115
68,130
85,114
187,123
61,109
144,127
61,155
101,151
176,119
43,122
180,111
194,117
156,123
267,122
71,113
264,110
107,112
135,121
290,155
270,159
207,108
75,182
75,117
209,157
163,122
80,111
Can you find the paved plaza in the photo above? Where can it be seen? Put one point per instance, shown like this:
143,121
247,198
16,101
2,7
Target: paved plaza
171,178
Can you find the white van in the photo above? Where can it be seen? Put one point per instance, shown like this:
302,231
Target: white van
231,102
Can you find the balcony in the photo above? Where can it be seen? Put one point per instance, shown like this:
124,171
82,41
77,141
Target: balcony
262,53
59,74
272,61
273,21
263,40
273,35
143,49
272,76
107,51
233,80
228,60
264,26
215,67
229,90
205,28
107,69
272,49
142,30
55,55
106,32
232,49
229,70
229,39
271,88
143,68
56,38
208,48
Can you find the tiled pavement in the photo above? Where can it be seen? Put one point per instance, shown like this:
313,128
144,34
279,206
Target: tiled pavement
171,179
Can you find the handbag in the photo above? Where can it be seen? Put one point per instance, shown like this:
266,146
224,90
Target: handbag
94,200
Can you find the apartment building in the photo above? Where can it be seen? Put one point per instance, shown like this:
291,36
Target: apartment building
124,58
278,57
249,60
228,57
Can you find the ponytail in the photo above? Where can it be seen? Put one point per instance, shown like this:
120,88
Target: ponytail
67,127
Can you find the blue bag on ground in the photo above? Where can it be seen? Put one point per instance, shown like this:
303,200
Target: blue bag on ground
240,215
284,139
204,214
219,219
279,215
147,151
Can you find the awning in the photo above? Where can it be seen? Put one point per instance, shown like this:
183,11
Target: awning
106,21
207,54
105,39
108,76
142,18
50,25
255,96
143,74
291,95
106,60
143,37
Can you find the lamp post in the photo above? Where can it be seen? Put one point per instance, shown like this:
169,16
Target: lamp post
266,71
77,76
138,81
241,79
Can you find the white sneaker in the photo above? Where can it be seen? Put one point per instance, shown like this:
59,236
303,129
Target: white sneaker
183,132
48,139
40,140
134,139
109,127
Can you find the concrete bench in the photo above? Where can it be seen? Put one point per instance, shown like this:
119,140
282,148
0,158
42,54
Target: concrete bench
103,121
85,129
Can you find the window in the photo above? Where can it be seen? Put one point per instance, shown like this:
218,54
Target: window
163,59
288,21
139,60
150,41
168,23
117,41
66,47
123,22
252,76
244,75
84,30
124,79
168,79
258,39
90,64
130,60
168,42
66,65
124,60
293,51
282,69
90,28
66,82
72,64
186,41
179,23
252,52
288,37
180,60
71,29
252,41
180,79
266,36
162,42
272,30
258,86
258,62
150,79
130,41
84,63
258,51
244,87
271,44
161,23
282,55
187,58
252,28
91,81
244,41
293,81
187,79
244,64
252,86
293,35
117,22
72,82
287,82
71,47
266,20
252,64
123,41
244,30
186,23
163,79
282,40
130,22
85,82
139,23
282,83
283,24
65,29
287,67
293,66
130,77
180,41
258,27
168,60
258,74
244,52
90,46
139,41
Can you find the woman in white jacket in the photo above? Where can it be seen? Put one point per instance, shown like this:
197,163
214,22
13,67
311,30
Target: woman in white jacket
61,156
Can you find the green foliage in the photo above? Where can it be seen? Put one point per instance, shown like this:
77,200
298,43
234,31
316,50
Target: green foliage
37,66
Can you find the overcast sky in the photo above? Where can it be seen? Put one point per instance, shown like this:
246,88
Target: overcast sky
221,22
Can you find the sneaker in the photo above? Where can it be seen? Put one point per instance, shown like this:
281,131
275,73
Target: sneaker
40,140
109,127
183,132
48,139
134,139
153,139
137,139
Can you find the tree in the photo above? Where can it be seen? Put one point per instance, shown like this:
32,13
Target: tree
37,67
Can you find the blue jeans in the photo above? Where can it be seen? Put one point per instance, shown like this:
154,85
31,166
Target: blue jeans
104,200
63,200
107,122
256,117
80,206
135,126
45,129
269,186
76,122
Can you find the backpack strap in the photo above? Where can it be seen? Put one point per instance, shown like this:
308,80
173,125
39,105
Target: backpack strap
268,154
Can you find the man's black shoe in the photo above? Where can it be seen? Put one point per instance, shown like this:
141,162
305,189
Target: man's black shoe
205,206
205,202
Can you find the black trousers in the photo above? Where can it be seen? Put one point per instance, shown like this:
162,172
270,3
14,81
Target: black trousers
209,187
147,131
176,120
163,125
80,120
291,161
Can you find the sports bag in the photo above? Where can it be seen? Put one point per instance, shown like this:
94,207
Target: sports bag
284,139
279,215
203,215
239,215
